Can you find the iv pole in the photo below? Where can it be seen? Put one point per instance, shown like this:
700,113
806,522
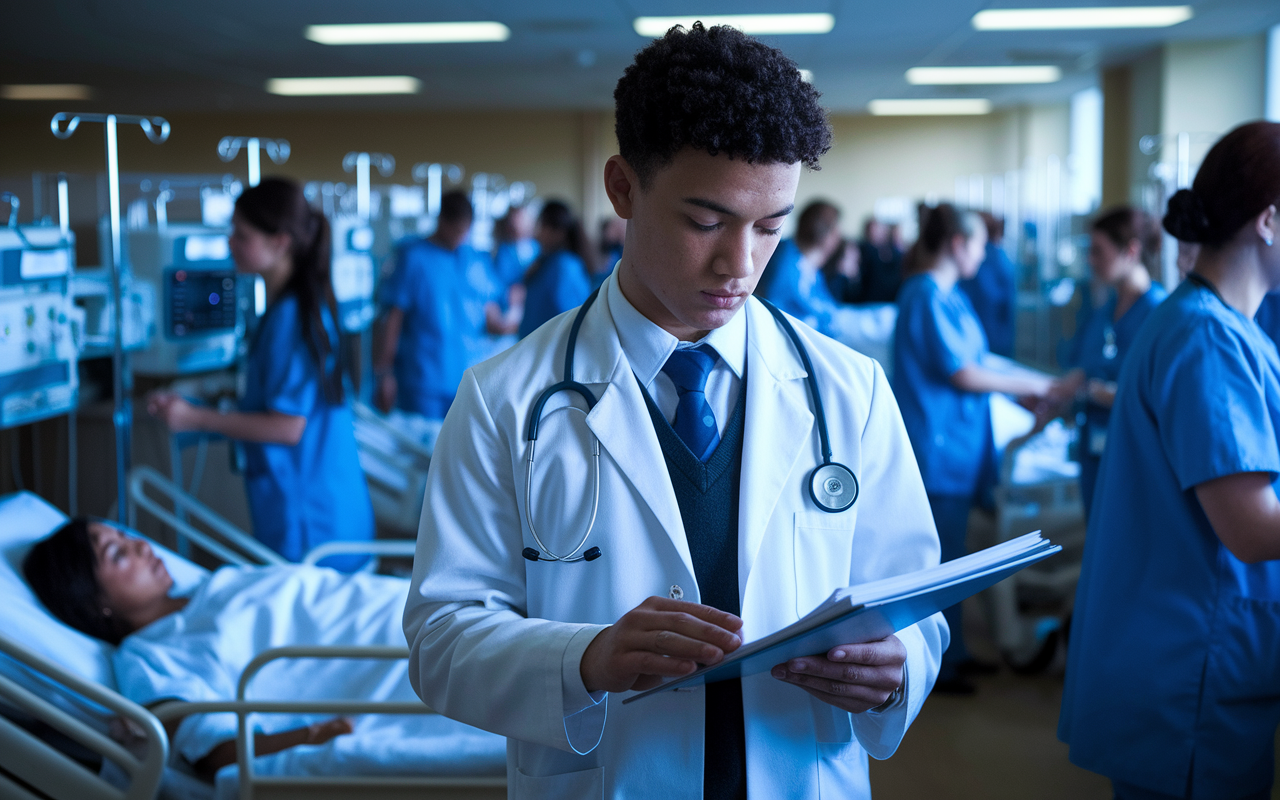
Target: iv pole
277,151
157,130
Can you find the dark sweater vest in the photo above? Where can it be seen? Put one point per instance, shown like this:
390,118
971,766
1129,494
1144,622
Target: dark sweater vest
708,498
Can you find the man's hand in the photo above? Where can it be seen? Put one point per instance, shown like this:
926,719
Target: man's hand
854,677
660,638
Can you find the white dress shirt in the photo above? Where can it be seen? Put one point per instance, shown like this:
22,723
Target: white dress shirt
648,347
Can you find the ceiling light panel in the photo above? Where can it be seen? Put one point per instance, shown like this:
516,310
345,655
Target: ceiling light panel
754,24
929,108
409,33
1049,19
970,76
45,91
310,87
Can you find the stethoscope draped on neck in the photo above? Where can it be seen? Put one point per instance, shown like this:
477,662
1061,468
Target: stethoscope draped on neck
832,486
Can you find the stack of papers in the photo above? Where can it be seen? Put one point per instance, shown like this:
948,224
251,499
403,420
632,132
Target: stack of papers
874,610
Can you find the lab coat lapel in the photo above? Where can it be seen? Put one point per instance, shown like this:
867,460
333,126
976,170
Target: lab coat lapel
620,420
779,429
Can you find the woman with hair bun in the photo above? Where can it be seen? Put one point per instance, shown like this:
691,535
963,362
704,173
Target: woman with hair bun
1173,676
1122,242
943,389
302,474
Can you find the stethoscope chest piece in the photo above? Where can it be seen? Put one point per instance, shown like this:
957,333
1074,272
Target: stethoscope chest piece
833,488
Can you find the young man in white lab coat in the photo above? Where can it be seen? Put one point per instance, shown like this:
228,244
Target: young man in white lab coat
707,533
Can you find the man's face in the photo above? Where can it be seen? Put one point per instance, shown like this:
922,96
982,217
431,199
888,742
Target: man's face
699,237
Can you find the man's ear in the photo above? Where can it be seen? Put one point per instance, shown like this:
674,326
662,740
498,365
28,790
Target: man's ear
621,184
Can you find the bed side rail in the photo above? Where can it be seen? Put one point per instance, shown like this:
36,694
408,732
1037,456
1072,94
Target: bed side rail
54,774
244,709
230,544
374,547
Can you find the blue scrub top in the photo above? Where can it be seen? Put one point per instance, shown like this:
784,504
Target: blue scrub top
430,286
1173,674
1268,316
937,334
806,298
1103,343
993,293
561,283
512,259
303,495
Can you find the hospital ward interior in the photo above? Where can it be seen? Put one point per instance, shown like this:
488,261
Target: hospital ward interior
274,279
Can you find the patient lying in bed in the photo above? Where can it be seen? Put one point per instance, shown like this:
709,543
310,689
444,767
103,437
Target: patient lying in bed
194,648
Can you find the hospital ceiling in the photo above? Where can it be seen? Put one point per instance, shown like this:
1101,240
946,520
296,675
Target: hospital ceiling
158,56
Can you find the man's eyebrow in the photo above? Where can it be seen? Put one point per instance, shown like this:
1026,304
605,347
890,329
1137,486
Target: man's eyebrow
719,209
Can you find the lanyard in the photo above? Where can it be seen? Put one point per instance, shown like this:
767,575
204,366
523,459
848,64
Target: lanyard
1205,283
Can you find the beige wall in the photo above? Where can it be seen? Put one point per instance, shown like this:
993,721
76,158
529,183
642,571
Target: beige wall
919,157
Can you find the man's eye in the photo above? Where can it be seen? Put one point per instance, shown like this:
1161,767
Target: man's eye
706,228
771,231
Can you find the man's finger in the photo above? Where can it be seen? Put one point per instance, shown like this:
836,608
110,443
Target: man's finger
693,627
838,689
669,643
715,616
886,652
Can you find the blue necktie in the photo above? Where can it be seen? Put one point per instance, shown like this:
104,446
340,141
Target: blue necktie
695,423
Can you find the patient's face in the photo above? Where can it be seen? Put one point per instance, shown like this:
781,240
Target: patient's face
132,577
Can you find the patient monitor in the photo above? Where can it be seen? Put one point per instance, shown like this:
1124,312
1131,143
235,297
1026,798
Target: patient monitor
39,325
200,323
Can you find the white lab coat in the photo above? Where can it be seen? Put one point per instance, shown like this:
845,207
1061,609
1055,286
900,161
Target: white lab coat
496,640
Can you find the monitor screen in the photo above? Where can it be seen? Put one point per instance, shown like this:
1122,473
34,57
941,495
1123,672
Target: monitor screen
201,301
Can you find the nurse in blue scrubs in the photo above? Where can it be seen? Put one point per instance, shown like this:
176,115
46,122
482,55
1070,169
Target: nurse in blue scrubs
1119,242
944,391
1173,675
558,279
793,279
424,336
302,474
994,290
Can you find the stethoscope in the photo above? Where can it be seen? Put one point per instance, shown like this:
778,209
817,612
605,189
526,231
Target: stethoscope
832,486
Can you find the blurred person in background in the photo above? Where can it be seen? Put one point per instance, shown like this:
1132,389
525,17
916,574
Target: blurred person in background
880,262
1123,241
613,232
793,278
842,274
302,475
994,290
420,343
558,280
944,392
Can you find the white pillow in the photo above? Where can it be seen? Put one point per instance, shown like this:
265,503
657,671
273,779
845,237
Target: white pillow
24,520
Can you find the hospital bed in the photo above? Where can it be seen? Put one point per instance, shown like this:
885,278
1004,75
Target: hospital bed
395,452
1038,489
60,716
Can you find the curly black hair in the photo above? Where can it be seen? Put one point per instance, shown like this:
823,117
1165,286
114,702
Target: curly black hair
720,91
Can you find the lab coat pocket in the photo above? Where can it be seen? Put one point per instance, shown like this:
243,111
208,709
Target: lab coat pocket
587,783
821,556
831,726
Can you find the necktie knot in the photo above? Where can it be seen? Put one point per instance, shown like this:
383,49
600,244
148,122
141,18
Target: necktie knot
689,368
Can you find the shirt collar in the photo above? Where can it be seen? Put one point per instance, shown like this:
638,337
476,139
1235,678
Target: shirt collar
647,346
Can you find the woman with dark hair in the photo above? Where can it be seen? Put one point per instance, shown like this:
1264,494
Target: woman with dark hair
1174,668
194,647
793,278
943,388
302,474
558,280
1123,242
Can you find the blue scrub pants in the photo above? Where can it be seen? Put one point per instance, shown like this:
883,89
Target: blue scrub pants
1127,791
951,518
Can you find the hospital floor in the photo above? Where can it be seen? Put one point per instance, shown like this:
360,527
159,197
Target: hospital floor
998,744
